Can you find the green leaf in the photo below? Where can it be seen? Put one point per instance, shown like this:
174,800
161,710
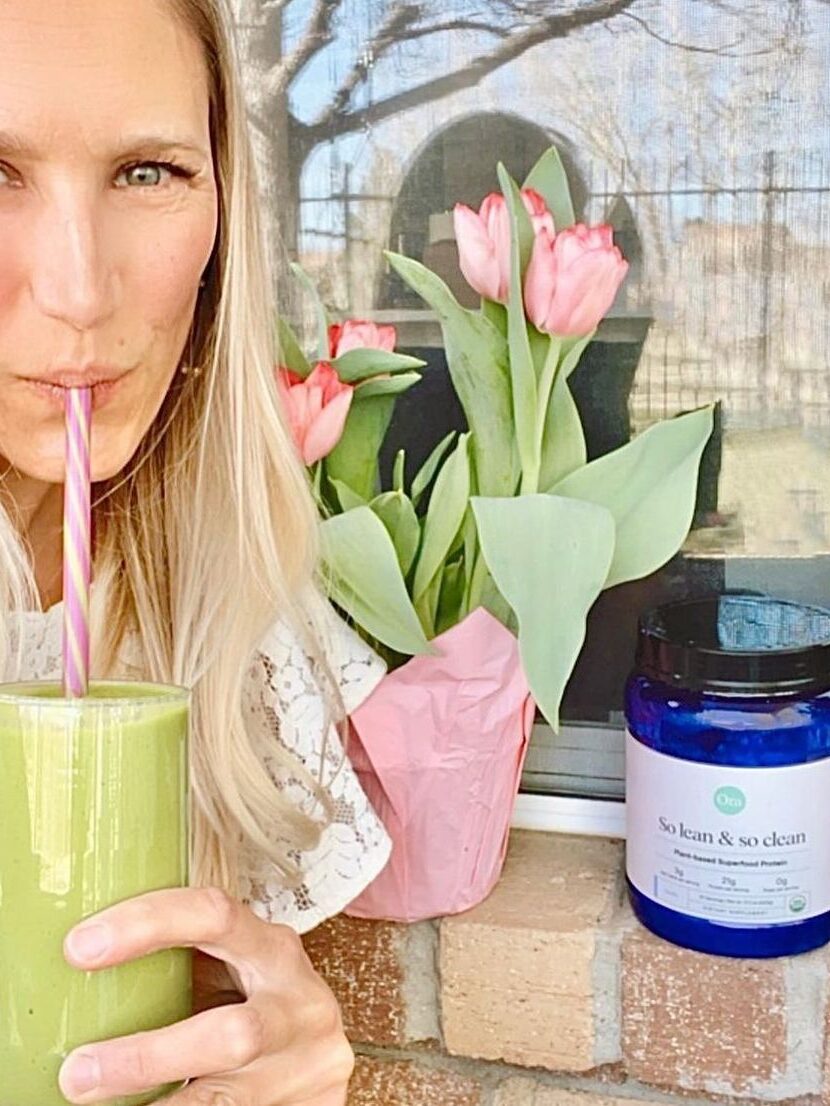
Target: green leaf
522,372
523,237
493,601
385,386
398,516
427,605
399,471
496,313
323,348
365,579
354,459
563,446
478,362
429,468
471,555
539,346
549,179
563,443
549,558
451,597
289,353
445,515
358,364
347,498
649,486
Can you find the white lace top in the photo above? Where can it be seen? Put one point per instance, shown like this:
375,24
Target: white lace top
285,705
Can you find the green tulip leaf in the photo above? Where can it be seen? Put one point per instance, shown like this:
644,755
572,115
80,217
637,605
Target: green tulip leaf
354,460
358,364
522,371
385,386
365,579
444,517
549,558
572,350
477,358
429,468
399,471
549,179
450,597
320,316
493,601
539,346
496,313
346,497
650,487
289,355
563,443
427,605
397,514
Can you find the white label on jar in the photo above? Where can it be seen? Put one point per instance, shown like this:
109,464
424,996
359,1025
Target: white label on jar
737,846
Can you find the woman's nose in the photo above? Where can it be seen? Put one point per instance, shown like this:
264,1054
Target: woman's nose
72,279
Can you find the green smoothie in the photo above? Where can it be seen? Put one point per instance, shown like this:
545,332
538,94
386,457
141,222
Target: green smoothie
94,796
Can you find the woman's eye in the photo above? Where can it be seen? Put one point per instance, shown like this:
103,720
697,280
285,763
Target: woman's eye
148,173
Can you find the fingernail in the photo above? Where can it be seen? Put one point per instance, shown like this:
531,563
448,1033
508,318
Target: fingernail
89,942
80,1074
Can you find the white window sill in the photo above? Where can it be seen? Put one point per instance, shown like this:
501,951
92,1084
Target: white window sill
566,814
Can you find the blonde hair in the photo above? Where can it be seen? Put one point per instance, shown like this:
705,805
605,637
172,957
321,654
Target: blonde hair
210,533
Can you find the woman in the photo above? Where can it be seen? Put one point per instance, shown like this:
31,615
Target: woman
131,262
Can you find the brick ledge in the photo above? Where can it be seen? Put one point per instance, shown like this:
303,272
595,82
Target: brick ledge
552,976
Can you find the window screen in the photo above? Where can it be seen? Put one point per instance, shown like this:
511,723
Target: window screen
699,129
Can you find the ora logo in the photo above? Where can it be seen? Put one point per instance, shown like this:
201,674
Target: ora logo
730,800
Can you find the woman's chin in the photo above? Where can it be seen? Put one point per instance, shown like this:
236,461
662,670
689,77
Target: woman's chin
49,466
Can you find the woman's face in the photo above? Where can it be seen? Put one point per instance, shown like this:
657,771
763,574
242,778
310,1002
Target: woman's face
102,247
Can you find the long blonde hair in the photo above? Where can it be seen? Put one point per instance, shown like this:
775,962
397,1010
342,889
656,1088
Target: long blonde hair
210,533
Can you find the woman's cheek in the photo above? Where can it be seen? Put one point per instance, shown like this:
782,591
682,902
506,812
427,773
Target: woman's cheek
177,252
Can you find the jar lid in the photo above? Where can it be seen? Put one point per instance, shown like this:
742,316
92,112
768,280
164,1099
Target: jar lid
737,644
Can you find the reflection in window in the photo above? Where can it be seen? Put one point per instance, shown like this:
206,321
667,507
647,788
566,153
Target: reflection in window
698,129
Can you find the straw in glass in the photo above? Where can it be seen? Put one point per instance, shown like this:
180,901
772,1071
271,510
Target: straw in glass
77,559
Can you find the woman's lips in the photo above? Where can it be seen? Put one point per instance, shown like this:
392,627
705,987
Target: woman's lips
102,392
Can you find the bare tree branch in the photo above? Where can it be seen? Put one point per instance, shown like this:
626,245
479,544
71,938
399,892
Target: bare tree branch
398,22
725,51
317,35
400,25
338,120
458,25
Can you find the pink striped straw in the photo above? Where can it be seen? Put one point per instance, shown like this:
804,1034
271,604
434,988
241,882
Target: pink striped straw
77,543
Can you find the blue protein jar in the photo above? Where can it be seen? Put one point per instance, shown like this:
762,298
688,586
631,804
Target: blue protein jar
728,775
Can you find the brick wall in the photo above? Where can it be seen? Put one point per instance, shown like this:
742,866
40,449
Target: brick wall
550,994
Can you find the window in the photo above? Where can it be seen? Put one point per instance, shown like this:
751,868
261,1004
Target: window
699,129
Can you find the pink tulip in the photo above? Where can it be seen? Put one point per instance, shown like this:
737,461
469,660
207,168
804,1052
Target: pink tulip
484,241
572,279
359,334
316,407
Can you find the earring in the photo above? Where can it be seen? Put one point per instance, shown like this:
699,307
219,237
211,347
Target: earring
191,370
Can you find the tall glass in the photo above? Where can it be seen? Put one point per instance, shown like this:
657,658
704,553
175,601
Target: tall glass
94,796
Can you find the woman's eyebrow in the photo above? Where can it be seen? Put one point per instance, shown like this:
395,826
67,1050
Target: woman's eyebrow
17,144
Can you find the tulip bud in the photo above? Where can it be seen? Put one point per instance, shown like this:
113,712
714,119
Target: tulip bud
572,279
316,408
360,334
483,239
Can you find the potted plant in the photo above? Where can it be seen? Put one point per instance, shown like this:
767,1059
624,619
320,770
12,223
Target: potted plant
475,580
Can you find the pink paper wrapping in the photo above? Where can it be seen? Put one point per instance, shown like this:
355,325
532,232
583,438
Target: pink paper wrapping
438,748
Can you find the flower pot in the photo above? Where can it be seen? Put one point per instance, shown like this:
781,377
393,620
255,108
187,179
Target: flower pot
439,747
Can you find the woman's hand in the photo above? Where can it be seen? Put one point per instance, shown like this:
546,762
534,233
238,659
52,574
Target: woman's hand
283,1045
